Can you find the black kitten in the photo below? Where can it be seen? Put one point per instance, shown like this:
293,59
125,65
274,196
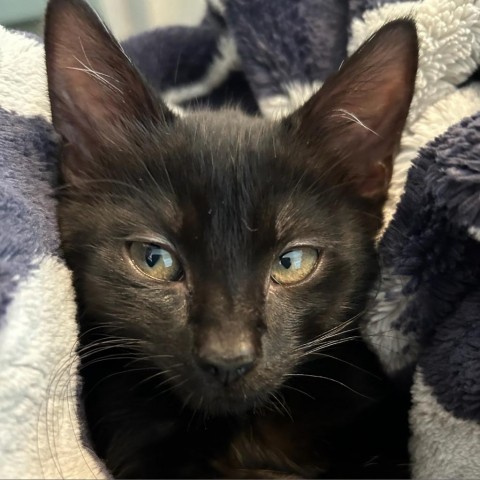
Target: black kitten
216,256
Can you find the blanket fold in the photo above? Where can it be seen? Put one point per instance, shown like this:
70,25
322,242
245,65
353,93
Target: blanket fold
268,58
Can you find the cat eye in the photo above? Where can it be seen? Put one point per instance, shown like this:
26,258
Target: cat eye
155,261
295,265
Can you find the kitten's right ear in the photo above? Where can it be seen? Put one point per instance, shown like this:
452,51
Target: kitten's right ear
96,93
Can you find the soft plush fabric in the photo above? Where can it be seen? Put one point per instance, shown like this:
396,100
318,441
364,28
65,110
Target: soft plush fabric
41,434
268,57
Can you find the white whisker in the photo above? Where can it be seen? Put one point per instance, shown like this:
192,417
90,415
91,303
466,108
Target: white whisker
321,377
353,118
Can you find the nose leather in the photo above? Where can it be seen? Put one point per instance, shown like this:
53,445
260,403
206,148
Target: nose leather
227,372
226,362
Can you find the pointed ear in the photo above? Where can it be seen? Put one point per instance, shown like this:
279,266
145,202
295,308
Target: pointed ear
96,93
356,119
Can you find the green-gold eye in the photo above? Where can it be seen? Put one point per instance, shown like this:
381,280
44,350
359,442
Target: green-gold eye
155,261
295,265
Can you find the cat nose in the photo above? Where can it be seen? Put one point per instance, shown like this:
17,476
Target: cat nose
227,372
227,367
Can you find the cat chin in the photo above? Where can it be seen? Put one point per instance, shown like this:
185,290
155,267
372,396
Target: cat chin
216,407
221,401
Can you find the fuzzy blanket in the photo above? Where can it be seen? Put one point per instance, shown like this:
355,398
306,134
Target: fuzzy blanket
268,57
41,434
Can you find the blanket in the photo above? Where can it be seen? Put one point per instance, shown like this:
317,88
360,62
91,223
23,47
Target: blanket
267,57
42,434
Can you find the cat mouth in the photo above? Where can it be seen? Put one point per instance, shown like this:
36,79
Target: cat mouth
227,404
217,399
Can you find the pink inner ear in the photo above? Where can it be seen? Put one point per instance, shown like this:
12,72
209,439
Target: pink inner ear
359,114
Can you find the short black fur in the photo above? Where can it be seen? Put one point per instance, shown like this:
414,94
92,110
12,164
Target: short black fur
228,194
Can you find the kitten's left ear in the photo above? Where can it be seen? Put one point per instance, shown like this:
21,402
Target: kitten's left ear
356,119
95,91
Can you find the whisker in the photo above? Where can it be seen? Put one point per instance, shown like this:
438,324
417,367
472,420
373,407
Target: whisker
349,363
332,343
289,387
152,377
319,340
321,377
282,404
173,387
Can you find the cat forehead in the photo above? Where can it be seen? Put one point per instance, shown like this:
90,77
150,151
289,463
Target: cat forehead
224,168
232,158
228,170
230,131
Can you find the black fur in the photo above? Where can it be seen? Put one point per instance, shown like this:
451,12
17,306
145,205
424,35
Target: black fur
230,193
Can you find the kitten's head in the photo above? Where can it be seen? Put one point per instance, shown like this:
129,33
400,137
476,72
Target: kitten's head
221,243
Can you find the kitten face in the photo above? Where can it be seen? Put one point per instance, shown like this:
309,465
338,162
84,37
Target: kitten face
207,200
222,243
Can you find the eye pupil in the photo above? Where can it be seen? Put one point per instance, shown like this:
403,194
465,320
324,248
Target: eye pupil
155,261
286,262
150,258
293,259
154,254
295,265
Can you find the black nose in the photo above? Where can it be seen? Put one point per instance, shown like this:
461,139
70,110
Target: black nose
227,370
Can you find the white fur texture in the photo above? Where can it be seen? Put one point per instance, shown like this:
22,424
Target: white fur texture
23,79
217,5
39,384
396,350
39,419
226,61
432,122
442,446
278,106
449,36
429,118
475,233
